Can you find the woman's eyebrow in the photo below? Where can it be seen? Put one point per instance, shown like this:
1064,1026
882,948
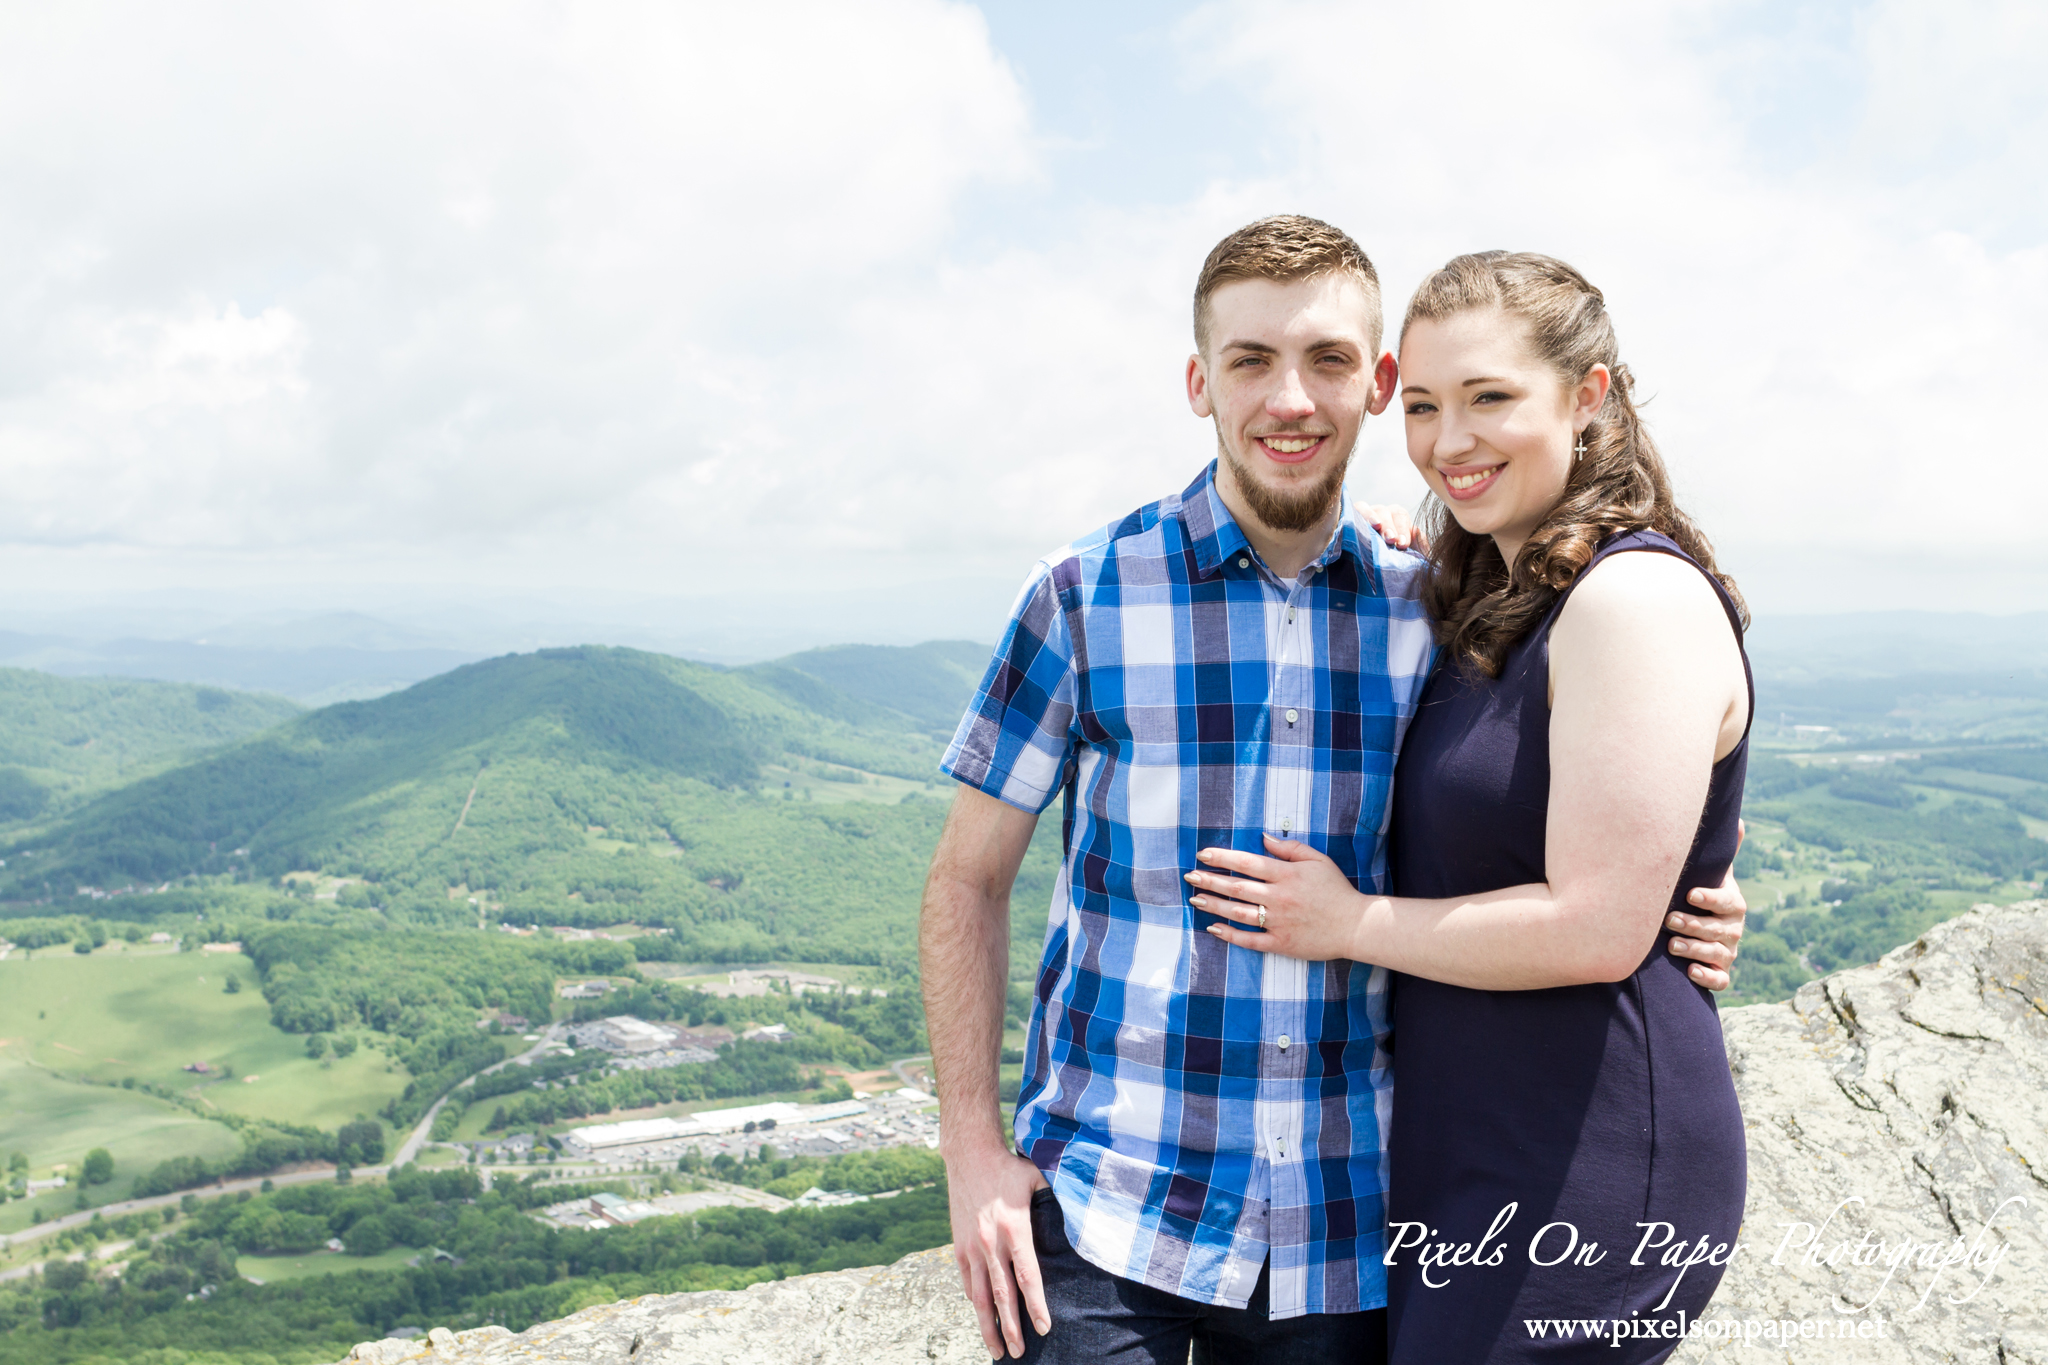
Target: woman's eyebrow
1486,379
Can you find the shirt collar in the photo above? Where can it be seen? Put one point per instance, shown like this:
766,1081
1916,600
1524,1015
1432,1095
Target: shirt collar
1215,535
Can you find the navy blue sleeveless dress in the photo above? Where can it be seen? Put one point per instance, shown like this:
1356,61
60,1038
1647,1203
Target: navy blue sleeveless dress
1603,1107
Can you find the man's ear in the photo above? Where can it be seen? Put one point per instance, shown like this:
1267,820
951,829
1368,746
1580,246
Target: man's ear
1385,375
1198,388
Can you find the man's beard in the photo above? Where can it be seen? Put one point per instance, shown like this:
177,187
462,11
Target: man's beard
1286,509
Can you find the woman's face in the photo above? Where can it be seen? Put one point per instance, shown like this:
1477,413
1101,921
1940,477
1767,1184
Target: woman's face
1490,426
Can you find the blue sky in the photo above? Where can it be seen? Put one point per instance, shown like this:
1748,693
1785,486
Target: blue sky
346,305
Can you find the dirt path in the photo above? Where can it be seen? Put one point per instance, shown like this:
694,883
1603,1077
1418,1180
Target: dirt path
466,804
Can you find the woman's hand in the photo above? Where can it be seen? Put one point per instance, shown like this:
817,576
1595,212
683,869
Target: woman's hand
1311,908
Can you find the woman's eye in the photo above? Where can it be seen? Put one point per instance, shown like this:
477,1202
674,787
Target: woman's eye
1491,397
1418,409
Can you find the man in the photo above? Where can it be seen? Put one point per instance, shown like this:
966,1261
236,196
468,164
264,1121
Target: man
1200,1128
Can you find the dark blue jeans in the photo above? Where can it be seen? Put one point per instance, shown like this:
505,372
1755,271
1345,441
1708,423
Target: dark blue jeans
1097,1316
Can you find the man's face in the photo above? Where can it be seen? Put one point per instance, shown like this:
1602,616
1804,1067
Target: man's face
1289,376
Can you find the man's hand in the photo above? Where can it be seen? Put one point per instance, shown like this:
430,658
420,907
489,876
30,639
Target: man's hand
1714,935
1397,528
963,948
990,1191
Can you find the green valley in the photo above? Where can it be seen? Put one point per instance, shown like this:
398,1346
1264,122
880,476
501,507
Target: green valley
263,948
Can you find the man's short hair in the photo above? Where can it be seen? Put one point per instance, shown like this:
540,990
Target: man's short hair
1284,248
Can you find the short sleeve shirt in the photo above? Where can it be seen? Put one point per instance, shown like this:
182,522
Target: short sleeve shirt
1201,1109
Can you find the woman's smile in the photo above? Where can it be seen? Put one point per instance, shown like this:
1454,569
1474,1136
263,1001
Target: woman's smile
1465,484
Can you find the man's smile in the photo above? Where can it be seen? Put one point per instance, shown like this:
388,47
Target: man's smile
1290,448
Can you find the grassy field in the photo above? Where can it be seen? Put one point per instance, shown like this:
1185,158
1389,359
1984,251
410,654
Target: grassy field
58,1121
145,1014
271,1269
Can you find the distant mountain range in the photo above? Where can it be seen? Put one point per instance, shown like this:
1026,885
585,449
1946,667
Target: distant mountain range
776,810
274,639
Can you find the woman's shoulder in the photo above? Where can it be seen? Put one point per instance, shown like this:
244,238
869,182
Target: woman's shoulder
1643,581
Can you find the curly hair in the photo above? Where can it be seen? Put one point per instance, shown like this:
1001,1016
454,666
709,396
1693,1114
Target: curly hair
1483,607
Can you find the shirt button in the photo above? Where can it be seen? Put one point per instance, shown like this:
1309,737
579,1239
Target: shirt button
1283,1040
1287,825
1243,563
1292,715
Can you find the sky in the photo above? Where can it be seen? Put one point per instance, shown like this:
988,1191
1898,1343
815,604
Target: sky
609,308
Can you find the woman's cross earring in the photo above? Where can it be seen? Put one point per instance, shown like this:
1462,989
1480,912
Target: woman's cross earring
1582,448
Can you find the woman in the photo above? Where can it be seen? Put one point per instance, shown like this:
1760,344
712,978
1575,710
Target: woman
1564,1112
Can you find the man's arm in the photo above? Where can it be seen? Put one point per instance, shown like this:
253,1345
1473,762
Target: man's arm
963,946
1716,925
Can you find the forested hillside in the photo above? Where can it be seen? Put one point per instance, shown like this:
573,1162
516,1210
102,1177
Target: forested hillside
783,810
63,737
482,1258
1854,854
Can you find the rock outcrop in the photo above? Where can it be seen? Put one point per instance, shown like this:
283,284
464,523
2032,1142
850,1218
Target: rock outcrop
1898,1175
908,1312
1918,1086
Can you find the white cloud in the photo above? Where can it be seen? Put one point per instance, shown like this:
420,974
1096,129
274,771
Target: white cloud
641,295
463,271
1828,341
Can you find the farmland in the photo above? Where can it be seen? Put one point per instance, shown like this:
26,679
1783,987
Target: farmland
142,1015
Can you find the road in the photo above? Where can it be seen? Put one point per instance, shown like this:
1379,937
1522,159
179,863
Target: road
157,1201
903,1075
106,1251
407,1151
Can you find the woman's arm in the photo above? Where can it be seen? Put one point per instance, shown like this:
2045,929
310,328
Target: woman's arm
1648,691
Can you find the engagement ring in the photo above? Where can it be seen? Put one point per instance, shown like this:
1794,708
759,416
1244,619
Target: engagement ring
1262,917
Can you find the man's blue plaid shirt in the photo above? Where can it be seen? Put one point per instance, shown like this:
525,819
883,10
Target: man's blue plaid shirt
1200,1108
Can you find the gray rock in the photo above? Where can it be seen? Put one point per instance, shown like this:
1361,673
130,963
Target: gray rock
1917,1086
910,1312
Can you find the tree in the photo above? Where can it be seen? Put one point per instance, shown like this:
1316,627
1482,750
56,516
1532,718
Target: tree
234,986
64,1276
99,1166
367,1236
360,1143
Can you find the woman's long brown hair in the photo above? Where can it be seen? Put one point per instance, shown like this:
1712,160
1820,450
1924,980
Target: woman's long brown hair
1481,606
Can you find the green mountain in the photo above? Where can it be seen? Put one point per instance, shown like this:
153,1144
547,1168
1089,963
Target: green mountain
927,685
63,737
781,811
